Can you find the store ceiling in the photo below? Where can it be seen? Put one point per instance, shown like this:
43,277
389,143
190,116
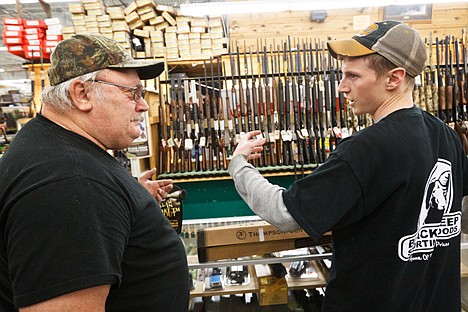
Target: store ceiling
11,63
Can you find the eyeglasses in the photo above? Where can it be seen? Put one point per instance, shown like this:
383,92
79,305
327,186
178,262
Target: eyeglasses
138,92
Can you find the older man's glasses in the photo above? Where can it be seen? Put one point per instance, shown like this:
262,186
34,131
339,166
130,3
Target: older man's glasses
138,92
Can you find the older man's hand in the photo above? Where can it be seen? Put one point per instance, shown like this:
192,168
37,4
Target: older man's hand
158,188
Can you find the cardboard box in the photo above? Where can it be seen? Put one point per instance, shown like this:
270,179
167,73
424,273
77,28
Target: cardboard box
142,3
130,8
166,8
272,290
169,18
145,9
12,21
76,8
132,17
233,241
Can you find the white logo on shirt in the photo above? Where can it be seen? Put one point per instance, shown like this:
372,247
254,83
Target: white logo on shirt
436,224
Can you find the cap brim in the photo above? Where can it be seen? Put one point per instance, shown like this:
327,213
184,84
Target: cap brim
348,47
146,69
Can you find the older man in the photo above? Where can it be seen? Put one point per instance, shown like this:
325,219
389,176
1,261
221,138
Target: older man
78,233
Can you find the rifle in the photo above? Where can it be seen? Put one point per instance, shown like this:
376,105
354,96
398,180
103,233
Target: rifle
241,104
281,103
229,136
429,82
234,101
310,149
173,130
189,125
440,83
448,79
209,121
222,119
276,119
465,66
328,100
162,136
181,136
314,101
215,121
168,133
269,110
247,93
249,115
302,132
162,131
460,83
195,104
202,140
297,150
263,159
320,90
286,134
254,94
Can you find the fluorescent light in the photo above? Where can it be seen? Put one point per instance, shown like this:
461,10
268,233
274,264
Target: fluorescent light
264,6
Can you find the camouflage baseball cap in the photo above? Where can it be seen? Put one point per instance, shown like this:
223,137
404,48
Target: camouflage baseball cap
82,54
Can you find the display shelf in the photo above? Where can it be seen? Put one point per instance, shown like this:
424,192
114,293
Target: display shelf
271,171
252,287
194,264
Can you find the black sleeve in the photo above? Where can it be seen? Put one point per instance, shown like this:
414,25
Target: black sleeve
328,198
65,236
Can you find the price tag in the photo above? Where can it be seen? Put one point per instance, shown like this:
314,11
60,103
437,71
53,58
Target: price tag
170,142
286,135
271,137
188,144
202,142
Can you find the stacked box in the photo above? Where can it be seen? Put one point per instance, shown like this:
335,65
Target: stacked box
156,26
94,17
157,43
183,45
13,35
170,38
53,34
218,41
32,39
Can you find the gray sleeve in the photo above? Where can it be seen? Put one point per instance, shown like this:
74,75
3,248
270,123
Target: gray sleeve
465,215
264,198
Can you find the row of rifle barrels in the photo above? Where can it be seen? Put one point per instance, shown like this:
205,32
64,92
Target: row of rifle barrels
289,93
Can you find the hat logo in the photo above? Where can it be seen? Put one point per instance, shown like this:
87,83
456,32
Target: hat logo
370,29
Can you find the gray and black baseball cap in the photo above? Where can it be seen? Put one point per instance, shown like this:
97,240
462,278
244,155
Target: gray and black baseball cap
398,42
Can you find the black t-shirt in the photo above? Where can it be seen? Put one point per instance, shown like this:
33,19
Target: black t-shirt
391,194
72,218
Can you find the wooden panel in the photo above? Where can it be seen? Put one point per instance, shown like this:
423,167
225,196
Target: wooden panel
447,19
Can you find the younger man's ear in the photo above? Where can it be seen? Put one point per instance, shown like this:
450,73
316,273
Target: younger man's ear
79,95
396,76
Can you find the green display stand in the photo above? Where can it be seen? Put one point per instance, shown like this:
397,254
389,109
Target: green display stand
218,198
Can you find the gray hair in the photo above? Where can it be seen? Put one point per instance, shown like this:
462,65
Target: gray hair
59,96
